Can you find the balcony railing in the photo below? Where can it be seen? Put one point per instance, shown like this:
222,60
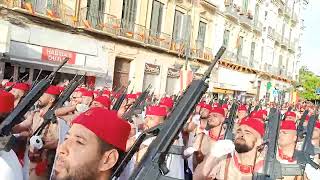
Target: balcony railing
257,26
285,42
245,21
107,24
232,12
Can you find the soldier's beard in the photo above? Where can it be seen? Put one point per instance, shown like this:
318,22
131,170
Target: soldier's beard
85,172
241,146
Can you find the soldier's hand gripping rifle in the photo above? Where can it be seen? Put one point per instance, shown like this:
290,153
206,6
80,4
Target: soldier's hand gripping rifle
120,100
152,165
19,81
15,117
49,116
136,107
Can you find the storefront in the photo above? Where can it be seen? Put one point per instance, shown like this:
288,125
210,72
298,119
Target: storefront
36,49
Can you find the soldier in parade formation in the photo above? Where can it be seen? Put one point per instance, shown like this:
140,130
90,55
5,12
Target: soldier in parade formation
90,138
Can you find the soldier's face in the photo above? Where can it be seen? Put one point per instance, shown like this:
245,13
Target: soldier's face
80,156
17,93
45,99
245,139
242,114
96,104
287,137
215,119
152,121
204,113
86,100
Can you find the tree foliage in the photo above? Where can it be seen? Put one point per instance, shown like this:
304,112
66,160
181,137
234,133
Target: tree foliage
310,82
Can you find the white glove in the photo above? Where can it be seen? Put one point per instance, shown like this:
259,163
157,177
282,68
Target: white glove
222,147
189,151
82,107
196,119
311,172
36,142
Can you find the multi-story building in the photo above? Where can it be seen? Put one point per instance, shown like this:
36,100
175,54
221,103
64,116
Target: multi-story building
153,41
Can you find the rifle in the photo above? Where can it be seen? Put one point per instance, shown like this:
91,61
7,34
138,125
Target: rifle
19,81
26,103
152,165
120,100
37,79
230,121
49,116
300,128
272,167
307,150
116,92
136,106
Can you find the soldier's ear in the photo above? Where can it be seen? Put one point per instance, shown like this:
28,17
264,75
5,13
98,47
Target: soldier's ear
108,160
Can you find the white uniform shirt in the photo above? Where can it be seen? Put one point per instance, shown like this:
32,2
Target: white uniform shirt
10,167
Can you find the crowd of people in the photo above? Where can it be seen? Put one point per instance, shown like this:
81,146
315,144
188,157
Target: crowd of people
89,138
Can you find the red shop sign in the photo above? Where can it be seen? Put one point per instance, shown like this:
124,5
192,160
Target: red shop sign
57,55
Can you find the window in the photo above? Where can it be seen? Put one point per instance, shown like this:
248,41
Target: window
280,61
41,6
245,5
177,27
95,12
256,15
156,18
253,46
226,35
201,35
129,10
240,46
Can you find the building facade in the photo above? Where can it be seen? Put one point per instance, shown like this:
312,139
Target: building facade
162,43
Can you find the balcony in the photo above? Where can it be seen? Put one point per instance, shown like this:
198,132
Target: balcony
294,19
257,27
243,60
232,11
287,12
277,38
271,33
229,56
285,43
212,4
246,22
292,47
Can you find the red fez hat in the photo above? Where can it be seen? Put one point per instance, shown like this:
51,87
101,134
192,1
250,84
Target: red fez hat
225,106
80,90
138,94
291,114
21,86
87,93
317,124
131,96
53,90
242,108
201,103
254,123
206,106
264,112
288,125
104,101
216,105
307,118
156,111
6,102
106,92
218,110
106,125
61,88
166,101
9,84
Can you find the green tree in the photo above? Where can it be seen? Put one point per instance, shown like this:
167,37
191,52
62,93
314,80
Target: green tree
310,82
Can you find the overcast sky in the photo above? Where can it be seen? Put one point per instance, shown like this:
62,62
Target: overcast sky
311,38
